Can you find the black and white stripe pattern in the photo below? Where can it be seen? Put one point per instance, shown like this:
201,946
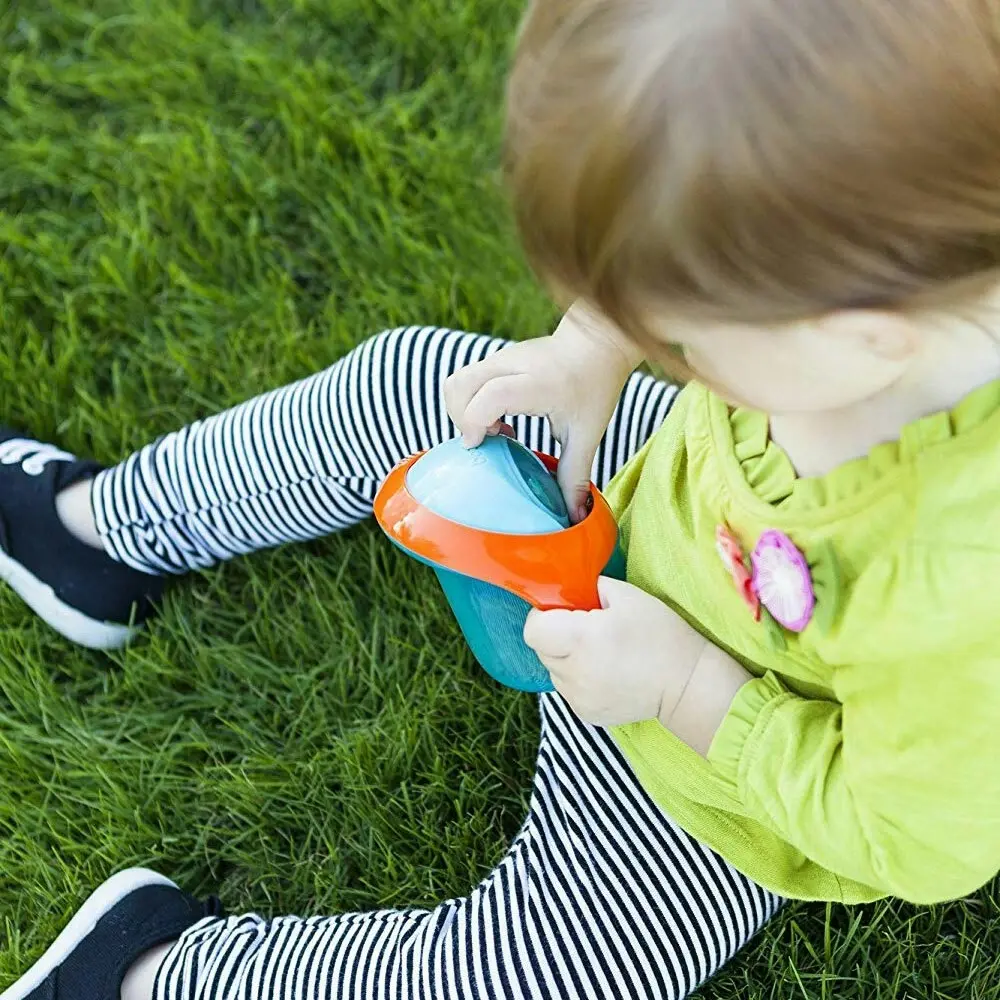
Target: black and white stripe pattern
306,459
600,896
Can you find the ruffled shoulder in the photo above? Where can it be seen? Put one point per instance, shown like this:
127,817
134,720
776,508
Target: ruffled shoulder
770,475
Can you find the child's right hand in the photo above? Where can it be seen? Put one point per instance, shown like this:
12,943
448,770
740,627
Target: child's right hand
574,377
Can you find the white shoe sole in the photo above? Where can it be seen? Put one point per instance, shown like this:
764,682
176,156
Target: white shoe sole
101,902
73,624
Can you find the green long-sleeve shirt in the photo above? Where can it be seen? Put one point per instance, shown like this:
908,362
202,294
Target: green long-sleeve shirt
864,758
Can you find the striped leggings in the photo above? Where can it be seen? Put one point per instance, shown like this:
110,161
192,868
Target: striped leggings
601,895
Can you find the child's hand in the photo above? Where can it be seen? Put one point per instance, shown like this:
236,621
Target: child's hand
628,662
573,377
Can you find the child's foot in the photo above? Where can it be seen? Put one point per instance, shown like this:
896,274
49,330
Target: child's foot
127,916
78,589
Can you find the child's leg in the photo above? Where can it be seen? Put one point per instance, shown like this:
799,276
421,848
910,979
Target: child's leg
600,896
88,554
306,460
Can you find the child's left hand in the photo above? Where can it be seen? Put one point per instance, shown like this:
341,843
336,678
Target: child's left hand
627,662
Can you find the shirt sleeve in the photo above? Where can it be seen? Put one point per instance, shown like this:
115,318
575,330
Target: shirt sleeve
896,786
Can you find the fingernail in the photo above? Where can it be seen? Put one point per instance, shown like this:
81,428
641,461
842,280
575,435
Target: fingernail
581,513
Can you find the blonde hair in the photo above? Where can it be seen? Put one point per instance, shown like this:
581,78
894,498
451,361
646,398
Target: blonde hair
758,161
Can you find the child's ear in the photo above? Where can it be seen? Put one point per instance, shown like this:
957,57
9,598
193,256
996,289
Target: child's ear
886,336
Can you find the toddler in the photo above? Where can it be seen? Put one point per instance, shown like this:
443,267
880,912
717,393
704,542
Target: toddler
796,204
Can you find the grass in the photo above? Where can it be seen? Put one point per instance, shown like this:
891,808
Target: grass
200,199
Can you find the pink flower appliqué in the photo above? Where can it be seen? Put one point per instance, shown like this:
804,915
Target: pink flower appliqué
731,553
782,580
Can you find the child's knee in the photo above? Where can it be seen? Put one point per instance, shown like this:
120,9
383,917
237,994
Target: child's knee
398,376
407,340
424,350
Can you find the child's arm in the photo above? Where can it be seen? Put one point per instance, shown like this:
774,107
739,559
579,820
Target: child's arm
895,785
896,788
715,682
574,377
634,660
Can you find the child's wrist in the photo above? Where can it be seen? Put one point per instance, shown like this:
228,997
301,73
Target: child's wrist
698,713
598,331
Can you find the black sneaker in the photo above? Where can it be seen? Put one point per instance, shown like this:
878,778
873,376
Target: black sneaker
79,590
131,913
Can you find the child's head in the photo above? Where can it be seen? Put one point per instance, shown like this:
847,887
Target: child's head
765,182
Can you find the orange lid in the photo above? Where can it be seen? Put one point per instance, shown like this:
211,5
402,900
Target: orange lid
557,570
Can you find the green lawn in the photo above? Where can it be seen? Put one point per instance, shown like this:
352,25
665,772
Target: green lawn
200,199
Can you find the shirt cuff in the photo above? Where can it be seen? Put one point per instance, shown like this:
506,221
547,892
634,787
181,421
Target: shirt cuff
733,746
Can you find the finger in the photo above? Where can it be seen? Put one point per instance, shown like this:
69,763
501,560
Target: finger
461,386
613,592
560,669
573,476
463,383
517,393
564,685
553,634
580,705
500,428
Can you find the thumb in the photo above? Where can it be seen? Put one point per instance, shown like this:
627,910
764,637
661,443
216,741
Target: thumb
613,592
552,634
573,476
